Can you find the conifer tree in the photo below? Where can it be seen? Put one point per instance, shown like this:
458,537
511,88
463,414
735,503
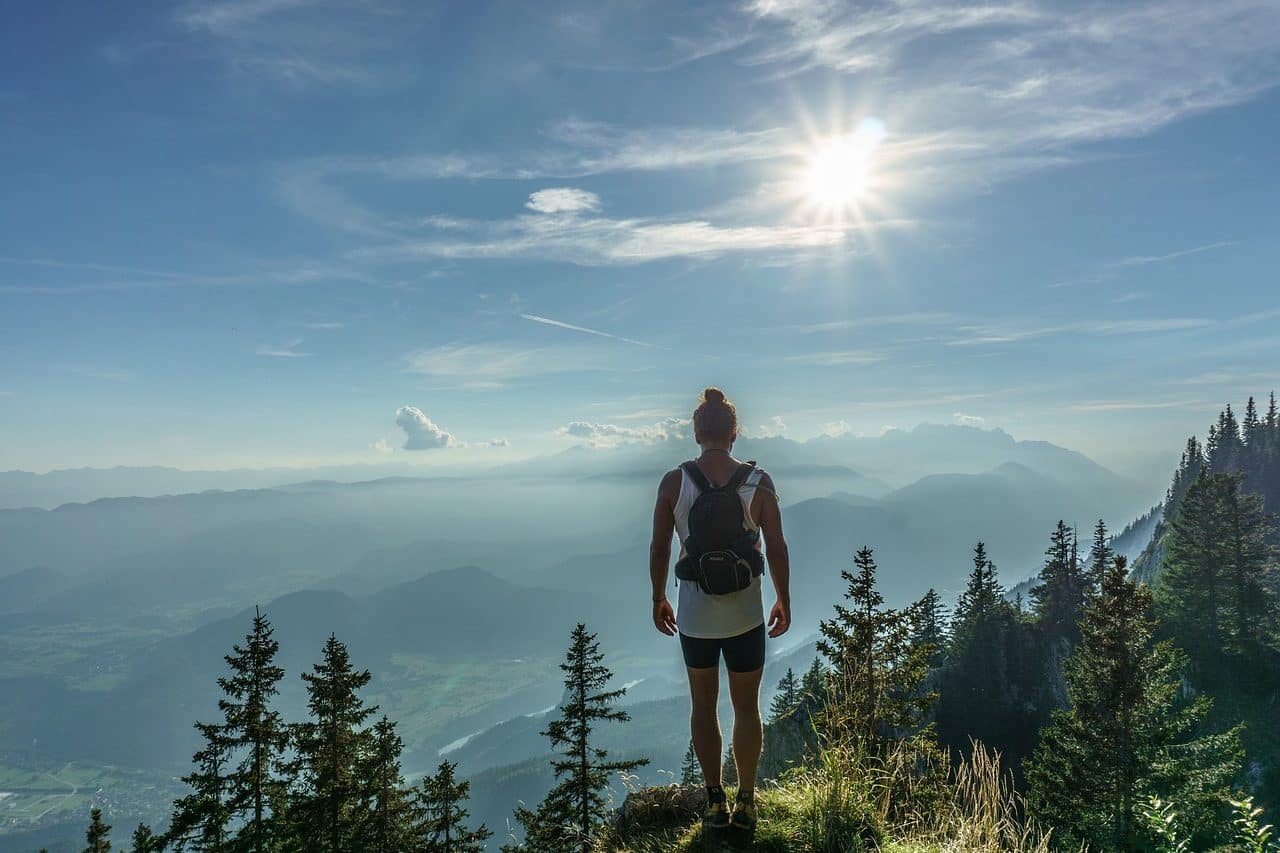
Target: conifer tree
144,840
200,818
877,671
1059,597
441,800
1126,735
392,817
1191,587
330,811
787,697
257,731
814,686
570,815
929,626
1248,553
982,598
690,772
99,833
1100,556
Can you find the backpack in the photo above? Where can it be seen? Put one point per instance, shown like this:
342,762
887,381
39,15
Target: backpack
720,554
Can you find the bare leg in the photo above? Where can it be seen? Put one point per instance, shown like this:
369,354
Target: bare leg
748,732
704,689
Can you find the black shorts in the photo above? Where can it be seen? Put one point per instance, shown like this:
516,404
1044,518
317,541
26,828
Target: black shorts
743,653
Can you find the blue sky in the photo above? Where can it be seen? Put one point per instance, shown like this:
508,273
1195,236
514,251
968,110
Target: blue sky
256,232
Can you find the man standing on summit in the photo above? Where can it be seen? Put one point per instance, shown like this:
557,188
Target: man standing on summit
721,509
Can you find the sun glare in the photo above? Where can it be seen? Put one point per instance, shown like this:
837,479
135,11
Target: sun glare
838,172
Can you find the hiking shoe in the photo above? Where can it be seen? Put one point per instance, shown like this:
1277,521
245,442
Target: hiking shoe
744,812
716,814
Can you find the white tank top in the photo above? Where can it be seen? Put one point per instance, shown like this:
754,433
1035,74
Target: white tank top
717,617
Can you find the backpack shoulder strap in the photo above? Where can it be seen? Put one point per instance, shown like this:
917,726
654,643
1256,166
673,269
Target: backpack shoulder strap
695,473
740,476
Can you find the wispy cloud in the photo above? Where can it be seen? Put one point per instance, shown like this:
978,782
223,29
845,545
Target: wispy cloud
490,366
124,278
924,318
1132,405
589,240
547,321
289,350
612,435
1140,260
1023,82
837,358
1008,334
563,200
302,43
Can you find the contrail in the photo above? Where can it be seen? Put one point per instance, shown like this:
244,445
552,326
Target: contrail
547,321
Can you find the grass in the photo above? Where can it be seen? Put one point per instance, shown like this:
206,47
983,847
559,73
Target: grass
850,803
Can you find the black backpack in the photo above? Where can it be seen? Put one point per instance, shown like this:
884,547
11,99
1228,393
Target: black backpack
720,554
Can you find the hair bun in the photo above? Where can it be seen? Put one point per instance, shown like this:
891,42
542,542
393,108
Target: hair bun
713,395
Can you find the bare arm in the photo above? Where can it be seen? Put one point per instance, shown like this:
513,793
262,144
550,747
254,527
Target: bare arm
775,549
664,522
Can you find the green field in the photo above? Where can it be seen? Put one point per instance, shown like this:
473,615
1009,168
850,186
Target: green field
32,796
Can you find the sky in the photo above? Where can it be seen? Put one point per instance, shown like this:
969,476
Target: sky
298,232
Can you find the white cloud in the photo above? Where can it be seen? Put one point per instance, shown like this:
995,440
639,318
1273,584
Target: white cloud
600,241
547,321
1015,85
381,446
301,43
612,435
1132,405
289,350
969,420
230,15
420,432
989,335
835,429
1141,260
775,428
563,200
838,358
488,366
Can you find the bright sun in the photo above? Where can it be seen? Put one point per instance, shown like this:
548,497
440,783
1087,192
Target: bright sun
838,172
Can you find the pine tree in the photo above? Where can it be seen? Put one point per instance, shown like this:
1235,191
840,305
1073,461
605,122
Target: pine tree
1059,597
568,819
200,818
877,671
786,698
392,818
144,840
1248,553
1126,735
929,626
99,833
982,598
690,772
257,731
441,800
1100,556
1191,586
814,686
330,812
